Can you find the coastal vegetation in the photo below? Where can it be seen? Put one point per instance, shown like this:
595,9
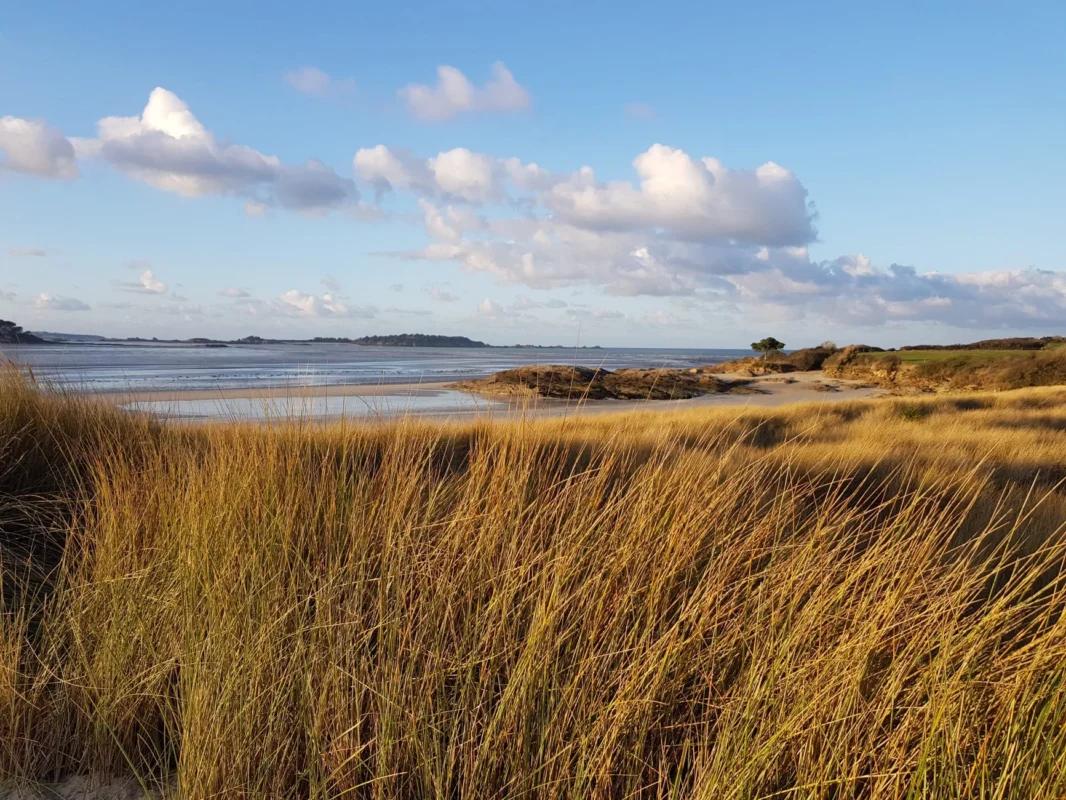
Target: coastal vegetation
953,370
864,599
1009,343
768,346
991,364
10,333
561,381
774,361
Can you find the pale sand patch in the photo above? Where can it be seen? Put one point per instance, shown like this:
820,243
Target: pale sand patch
762,391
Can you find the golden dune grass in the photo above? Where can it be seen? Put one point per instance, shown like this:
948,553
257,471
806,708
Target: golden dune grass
857,600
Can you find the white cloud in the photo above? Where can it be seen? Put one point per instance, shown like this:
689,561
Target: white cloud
454,94
146,283
328,304
458,174
167,147
7,297
851,289
36,148
694,228
234,292
677,195
684,226
317,83
389,168
51,302
466,175
701,200
490,308
27,252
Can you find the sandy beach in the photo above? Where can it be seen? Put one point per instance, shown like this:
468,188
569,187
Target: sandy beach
441,400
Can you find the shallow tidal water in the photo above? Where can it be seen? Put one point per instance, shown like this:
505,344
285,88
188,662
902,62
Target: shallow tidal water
142,367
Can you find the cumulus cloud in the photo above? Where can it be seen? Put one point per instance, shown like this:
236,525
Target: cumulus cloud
391,168
458,174
677,194
684,225
454,94
234,293
35,148
317,83
466,175
306,304
146,283
687,227
490,308
168,148
698,199
51,302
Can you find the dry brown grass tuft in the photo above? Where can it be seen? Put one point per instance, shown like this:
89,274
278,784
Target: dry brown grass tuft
857,600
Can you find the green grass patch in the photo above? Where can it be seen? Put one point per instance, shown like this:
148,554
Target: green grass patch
926,356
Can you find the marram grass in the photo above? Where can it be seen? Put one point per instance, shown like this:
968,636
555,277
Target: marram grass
857,600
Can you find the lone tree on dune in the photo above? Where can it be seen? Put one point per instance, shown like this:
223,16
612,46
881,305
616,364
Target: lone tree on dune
768,346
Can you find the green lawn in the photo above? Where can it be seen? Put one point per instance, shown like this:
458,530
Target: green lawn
924,356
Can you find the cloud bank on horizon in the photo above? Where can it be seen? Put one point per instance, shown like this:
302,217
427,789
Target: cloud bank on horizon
685,226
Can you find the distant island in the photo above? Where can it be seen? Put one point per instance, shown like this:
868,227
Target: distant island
10,333
410,340
395,340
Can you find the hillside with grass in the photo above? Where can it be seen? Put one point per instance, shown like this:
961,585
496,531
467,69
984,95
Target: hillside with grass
858,600
986,365
964,369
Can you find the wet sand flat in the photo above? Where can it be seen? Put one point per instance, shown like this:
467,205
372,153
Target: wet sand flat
438,400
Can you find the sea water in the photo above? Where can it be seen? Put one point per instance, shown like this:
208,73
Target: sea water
142,367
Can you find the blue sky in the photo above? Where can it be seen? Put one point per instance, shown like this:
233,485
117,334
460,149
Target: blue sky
883,172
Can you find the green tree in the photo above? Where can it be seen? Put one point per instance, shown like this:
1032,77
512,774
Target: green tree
10,333
768,346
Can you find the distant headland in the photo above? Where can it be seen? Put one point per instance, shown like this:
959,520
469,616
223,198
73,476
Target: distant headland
10,333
